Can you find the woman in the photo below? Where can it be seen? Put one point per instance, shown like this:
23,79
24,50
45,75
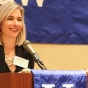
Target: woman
12,36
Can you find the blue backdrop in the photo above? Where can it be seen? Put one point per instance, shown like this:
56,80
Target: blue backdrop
57,21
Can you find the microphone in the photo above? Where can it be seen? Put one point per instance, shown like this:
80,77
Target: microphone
28,47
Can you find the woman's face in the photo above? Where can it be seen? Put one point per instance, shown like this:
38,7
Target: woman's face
12,25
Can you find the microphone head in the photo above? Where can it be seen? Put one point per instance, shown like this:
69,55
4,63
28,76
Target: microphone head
25,43
28,47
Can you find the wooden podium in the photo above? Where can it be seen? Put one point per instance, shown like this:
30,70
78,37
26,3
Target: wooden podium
16,80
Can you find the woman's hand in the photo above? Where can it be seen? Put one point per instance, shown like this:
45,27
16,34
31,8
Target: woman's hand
26,70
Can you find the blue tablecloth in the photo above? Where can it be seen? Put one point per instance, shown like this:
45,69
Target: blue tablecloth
59,78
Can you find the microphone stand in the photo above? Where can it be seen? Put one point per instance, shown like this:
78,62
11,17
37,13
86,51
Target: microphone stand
41,65
39,62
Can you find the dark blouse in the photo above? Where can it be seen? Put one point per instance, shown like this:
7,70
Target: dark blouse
19,51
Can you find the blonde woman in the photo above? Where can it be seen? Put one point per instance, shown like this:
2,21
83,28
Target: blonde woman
12,36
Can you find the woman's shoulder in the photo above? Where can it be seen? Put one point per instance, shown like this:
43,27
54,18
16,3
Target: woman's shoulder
22,50
1,47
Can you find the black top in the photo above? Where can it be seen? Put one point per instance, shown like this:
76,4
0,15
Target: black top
19,51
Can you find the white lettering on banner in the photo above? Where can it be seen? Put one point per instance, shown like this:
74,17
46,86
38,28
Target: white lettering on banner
48,85
40,2
68,85
24,2
53,85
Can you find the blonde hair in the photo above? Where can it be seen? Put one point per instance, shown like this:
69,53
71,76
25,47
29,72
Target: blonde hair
5,10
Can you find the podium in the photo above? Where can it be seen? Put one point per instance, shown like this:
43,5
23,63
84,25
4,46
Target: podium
60,78
30,80
16,80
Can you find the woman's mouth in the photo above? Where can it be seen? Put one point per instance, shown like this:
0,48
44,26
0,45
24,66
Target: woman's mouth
14,29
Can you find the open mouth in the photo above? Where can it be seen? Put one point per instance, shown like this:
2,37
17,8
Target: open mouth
14,29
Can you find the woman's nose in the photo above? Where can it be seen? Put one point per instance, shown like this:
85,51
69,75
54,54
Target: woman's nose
15,22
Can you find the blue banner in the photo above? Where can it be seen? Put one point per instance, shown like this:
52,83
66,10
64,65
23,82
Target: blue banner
56,21
59,79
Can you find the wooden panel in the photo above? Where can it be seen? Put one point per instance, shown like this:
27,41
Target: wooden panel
16,80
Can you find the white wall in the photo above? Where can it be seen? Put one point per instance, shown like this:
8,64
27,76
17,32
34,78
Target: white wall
62,57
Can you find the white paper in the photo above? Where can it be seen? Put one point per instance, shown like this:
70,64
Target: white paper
20,62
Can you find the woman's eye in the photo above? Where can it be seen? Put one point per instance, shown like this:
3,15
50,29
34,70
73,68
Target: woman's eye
9,18
19,19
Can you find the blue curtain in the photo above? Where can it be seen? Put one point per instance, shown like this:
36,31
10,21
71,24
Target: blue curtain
57,21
